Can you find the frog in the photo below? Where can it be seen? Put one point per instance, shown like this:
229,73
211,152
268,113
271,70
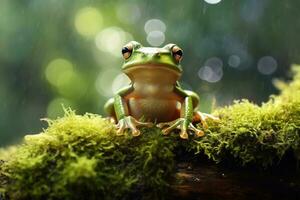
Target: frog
154,95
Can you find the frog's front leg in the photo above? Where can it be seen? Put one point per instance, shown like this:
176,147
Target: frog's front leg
184,123
125,121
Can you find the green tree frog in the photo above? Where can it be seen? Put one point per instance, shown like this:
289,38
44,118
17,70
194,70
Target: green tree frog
154,95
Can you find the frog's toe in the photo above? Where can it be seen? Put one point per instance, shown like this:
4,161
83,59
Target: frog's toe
184,134
184,126
120,128
164,124
209,116
197,132
202,117
190,128
131,124
120,131
167,131
146,124
111,120
136,132
170,126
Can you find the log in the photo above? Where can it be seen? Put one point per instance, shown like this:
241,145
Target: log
209,181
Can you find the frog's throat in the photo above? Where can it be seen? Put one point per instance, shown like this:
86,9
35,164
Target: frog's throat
164,68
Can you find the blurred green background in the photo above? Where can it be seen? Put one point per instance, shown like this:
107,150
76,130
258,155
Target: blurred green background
68,52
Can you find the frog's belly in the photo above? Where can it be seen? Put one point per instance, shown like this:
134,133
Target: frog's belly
154,110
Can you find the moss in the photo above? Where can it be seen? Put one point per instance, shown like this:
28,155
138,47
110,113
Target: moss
79,156
252,134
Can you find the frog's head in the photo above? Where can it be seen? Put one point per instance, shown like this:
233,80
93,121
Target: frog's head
165,60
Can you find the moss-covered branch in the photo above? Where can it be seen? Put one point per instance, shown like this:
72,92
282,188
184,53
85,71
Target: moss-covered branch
252,134
78,155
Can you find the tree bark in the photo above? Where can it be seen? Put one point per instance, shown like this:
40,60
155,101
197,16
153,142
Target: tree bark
209,181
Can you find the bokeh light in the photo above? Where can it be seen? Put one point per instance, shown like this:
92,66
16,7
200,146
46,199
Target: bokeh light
212,71
59,71
61,74
155,30
212,1
267,65
71,51
119,82
74,87
252,10
104,82
88,21
55,107
111,40
234,61
154,25
128,13
155,38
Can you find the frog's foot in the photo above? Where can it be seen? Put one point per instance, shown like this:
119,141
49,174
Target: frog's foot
183,124
111,120
132,124
202,117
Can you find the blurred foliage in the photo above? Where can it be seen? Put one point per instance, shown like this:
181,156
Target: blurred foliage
81,155
68,52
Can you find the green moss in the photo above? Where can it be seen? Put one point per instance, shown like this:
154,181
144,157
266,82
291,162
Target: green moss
79,156
259,135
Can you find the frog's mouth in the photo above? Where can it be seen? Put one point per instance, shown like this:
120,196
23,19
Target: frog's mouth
163,68
152,73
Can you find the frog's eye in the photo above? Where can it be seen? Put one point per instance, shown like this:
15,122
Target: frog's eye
177,53
127,50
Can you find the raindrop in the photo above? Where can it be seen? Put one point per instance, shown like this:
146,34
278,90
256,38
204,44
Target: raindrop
267,65
155,38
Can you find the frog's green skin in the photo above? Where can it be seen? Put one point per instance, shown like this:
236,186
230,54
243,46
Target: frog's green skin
154,95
